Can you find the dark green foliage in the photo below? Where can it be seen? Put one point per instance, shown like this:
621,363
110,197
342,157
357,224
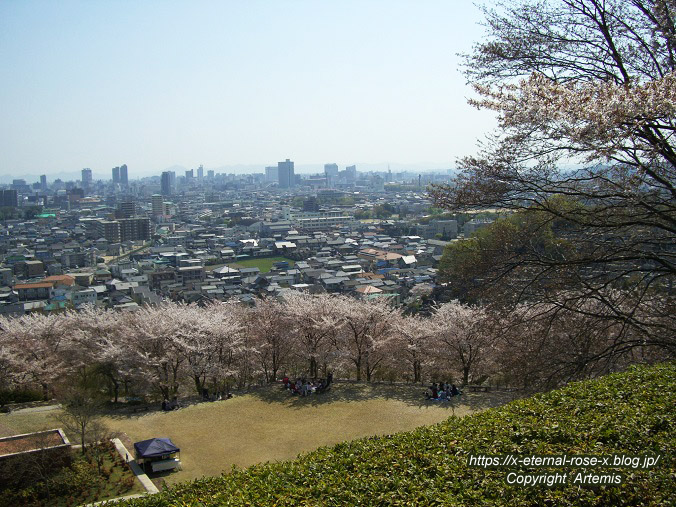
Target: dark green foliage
78,483
19,396
630,412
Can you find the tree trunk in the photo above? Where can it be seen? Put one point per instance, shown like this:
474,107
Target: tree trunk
198,385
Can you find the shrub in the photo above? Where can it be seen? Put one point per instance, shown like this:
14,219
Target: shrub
19,396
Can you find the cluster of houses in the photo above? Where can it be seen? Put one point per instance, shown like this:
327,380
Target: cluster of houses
205,248
202,264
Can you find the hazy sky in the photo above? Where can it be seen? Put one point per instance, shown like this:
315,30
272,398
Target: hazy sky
157,83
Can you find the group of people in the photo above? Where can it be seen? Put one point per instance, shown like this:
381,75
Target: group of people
304,387
170,405
217,396
442,391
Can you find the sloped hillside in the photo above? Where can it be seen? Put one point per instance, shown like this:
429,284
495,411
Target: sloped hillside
629,413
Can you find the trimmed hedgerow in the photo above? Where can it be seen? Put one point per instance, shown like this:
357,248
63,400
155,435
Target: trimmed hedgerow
629,413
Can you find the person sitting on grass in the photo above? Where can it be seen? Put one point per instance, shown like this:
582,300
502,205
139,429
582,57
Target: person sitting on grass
454,390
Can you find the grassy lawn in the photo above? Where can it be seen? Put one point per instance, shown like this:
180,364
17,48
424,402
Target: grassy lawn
265,265
269,424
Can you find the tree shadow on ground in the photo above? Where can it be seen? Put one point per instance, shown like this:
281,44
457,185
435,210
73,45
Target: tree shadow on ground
410,394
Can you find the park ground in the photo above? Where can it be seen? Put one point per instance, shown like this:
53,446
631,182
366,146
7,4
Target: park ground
263,263
268,424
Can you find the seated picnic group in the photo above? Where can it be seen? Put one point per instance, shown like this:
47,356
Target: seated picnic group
442,391
305,387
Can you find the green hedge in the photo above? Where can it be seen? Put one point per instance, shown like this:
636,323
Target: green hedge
19,396
630,412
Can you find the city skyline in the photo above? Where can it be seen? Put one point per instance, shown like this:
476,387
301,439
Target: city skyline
104,174
88,85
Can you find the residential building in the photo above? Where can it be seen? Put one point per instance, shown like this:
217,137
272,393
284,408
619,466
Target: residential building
189,274
134,229
157,205
109,230
126,209
33,291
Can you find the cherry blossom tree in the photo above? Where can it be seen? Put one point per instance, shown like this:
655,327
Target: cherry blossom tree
314,321
236,352
100,346
413,341
271,334
585,96
545,345
158,353
464,339
38,346
366,332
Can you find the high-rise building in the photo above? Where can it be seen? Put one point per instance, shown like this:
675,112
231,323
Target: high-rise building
116,175
351,173
285,174
331,172
166,183
200,173
124,176
271,174
210,174
189,175
9,198
158,205
43,182
86,178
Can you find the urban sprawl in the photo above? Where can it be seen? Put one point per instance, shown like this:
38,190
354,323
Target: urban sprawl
203,236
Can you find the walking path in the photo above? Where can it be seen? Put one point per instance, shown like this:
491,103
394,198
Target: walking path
138,471
113,500
33,410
